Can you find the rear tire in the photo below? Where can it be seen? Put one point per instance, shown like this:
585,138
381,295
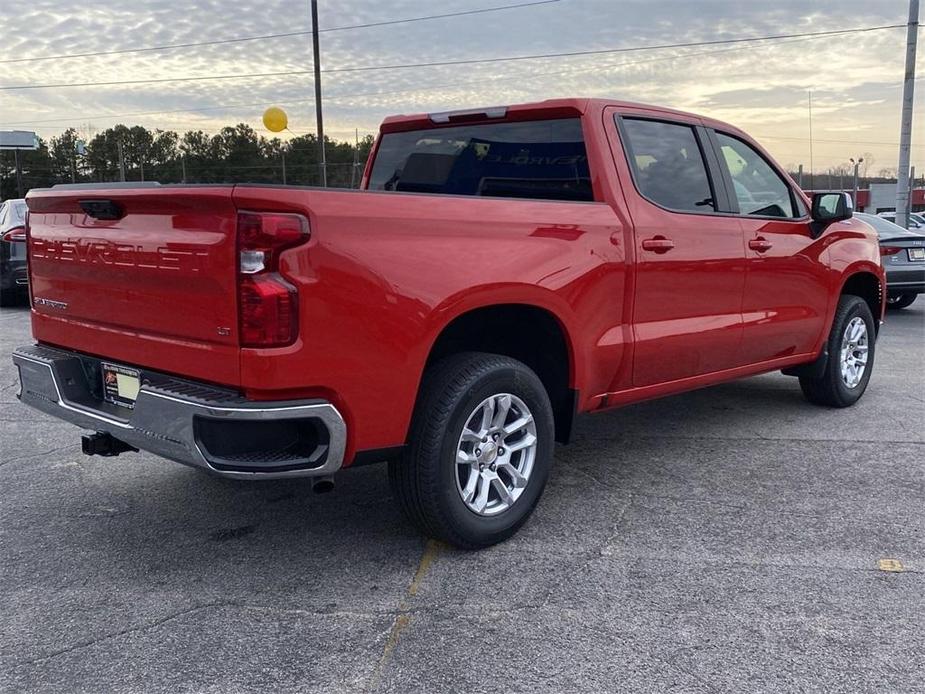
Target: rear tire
449,482
900,301
851,341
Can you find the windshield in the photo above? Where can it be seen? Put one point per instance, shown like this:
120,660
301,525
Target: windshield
14,214
884,227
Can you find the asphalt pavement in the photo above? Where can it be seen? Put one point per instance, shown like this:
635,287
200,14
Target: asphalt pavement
727,540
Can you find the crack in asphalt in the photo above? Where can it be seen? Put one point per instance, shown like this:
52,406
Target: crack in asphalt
403,613
131,630
29,456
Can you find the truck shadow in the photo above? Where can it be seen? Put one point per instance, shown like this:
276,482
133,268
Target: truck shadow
172,518
139,529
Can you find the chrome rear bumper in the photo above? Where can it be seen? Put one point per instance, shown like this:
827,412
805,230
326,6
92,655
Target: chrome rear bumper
191,423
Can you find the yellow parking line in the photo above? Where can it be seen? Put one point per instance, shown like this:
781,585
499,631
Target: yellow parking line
892,565
403,618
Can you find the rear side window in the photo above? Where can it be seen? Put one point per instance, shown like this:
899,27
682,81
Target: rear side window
759,189
668,165
532,159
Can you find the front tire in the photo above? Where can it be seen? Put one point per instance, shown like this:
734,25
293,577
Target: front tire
481,447
851,346
900,301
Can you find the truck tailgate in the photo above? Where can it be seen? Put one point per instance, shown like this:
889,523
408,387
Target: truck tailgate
142,275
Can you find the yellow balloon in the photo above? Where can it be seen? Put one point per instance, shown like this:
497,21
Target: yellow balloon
275,119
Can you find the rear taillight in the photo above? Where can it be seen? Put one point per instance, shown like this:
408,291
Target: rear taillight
17,235
889,250
268,305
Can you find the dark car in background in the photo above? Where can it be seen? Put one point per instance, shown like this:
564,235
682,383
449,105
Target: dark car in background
14,277
903,255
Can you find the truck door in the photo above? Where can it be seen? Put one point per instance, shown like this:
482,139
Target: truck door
689,259
785,302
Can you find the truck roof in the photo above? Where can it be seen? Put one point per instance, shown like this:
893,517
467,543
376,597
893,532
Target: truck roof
555,108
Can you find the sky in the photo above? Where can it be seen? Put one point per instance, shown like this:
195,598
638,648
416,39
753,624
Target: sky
763,87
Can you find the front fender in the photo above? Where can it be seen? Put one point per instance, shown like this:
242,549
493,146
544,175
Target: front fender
851,248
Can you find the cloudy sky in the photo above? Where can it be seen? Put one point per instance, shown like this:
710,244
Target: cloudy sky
763,87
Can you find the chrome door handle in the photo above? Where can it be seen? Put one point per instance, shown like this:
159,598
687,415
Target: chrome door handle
760,244
658,244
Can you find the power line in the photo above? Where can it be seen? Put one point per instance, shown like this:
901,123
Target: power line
432,87
818,139
630,49
263,37
472,61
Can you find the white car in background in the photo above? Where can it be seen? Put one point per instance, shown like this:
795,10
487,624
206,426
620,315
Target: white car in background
916,220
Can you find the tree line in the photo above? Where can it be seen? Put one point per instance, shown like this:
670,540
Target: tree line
238,154
235,154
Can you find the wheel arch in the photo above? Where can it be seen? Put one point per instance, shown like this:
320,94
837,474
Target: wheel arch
531,332
866,283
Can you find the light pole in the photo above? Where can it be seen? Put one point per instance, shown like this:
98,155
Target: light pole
905,134
857,164
316,51
810,138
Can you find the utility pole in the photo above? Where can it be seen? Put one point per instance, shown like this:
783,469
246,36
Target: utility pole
183,166
121,162
316,51
905,134
18,159
857,164
283,155
800,177
356,157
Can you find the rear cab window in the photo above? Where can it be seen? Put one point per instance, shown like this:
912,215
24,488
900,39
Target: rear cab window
542,159
668,164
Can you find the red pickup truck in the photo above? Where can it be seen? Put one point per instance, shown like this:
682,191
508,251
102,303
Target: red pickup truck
501,271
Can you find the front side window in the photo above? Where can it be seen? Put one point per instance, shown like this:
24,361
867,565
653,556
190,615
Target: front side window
531,159
668,165
759,189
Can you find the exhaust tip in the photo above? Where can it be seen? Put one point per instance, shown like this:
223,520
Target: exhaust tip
323,485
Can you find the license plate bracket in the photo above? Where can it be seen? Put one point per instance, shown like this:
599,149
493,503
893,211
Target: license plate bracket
916,255
120,384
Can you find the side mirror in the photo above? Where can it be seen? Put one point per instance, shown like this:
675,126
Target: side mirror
829,208
14,235
832,207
